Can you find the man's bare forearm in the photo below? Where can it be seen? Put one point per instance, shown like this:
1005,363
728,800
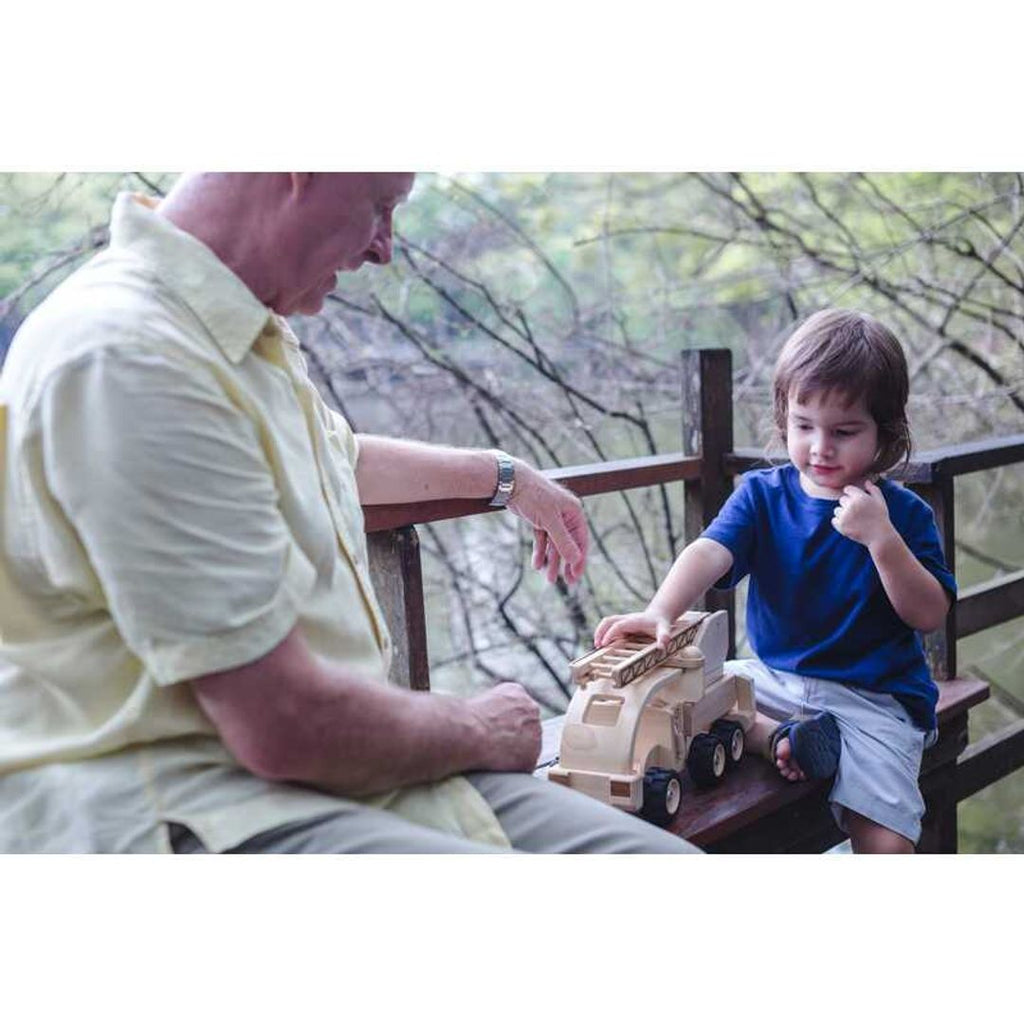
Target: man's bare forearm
290,717
393,471
359,738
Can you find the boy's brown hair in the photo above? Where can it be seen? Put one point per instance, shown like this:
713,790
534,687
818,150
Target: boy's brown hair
850,352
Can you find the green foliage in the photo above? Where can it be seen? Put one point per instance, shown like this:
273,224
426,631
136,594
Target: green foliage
41,214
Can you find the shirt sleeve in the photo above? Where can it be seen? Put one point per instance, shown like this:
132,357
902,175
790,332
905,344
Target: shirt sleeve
341,434
922,537
734,528
169,490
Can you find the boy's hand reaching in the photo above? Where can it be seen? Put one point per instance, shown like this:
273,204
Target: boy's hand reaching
645,623
862,515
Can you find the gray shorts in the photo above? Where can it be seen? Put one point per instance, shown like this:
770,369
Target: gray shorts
881,751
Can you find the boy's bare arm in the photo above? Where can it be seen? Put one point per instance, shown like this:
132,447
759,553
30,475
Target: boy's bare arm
697,568
918,598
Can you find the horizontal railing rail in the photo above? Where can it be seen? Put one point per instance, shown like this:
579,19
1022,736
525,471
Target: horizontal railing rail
990,604
990,759
650,470
585,481
978,608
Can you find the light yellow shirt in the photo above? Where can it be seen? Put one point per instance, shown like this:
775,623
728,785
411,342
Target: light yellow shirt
174,498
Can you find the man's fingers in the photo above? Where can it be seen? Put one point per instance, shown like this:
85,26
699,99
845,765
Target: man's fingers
554,547
577,525
554,563
540,547
564,543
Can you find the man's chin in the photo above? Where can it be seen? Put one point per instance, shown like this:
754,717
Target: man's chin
305,305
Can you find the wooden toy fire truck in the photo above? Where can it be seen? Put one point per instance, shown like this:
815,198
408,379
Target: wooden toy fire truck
641,714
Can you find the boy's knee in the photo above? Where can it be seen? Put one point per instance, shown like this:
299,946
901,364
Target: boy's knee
867,836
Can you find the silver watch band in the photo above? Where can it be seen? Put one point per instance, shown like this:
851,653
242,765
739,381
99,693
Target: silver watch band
506,481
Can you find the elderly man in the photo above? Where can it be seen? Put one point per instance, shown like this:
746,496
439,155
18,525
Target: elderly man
193,658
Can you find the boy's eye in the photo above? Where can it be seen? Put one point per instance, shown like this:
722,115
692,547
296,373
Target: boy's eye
845,433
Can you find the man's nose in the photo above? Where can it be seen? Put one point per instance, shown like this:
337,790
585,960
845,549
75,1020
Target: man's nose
380,248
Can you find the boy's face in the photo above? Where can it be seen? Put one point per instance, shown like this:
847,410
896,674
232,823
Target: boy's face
832,442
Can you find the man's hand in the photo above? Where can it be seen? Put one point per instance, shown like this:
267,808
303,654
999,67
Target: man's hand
646,623
559,525
510,720
862,515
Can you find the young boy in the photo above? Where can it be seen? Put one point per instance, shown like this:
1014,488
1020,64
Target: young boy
844,569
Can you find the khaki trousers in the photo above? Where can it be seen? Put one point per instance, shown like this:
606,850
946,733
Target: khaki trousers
537,816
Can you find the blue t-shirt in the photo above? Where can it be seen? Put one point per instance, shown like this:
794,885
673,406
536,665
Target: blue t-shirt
816,605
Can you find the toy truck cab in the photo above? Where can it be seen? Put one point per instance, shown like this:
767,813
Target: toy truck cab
640,715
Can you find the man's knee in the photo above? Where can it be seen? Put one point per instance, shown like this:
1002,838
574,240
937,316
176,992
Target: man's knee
541,817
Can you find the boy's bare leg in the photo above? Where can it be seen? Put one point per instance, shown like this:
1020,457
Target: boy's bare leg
867,836
759,741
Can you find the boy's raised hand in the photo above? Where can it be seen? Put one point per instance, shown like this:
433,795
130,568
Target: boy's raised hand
862,514
645,623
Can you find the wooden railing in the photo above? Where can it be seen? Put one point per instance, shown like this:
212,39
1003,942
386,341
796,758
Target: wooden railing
706,466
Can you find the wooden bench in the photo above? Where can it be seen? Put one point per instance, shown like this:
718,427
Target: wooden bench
754,809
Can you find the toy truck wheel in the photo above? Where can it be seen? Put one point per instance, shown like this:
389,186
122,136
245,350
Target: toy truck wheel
706,759
663,793
731,734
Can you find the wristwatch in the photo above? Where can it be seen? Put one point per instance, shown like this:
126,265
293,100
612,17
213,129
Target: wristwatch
506,481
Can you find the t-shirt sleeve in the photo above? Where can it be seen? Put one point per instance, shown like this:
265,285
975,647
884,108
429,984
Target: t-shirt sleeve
734,528
169,491
922,537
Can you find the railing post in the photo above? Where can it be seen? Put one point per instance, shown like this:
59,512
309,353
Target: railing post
939,832
939,827
707,431
398,583
940,645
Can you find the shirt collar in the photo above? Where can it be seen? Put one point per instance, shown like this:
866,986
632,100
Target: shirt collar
221,300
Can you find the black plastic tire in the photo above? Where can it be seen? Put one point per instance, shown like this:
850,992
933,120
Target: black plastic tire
731,734
662,795
706,760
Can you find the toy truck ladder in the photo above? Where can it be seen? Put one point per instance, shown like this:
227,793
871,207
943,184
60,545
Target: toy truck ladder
628,659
